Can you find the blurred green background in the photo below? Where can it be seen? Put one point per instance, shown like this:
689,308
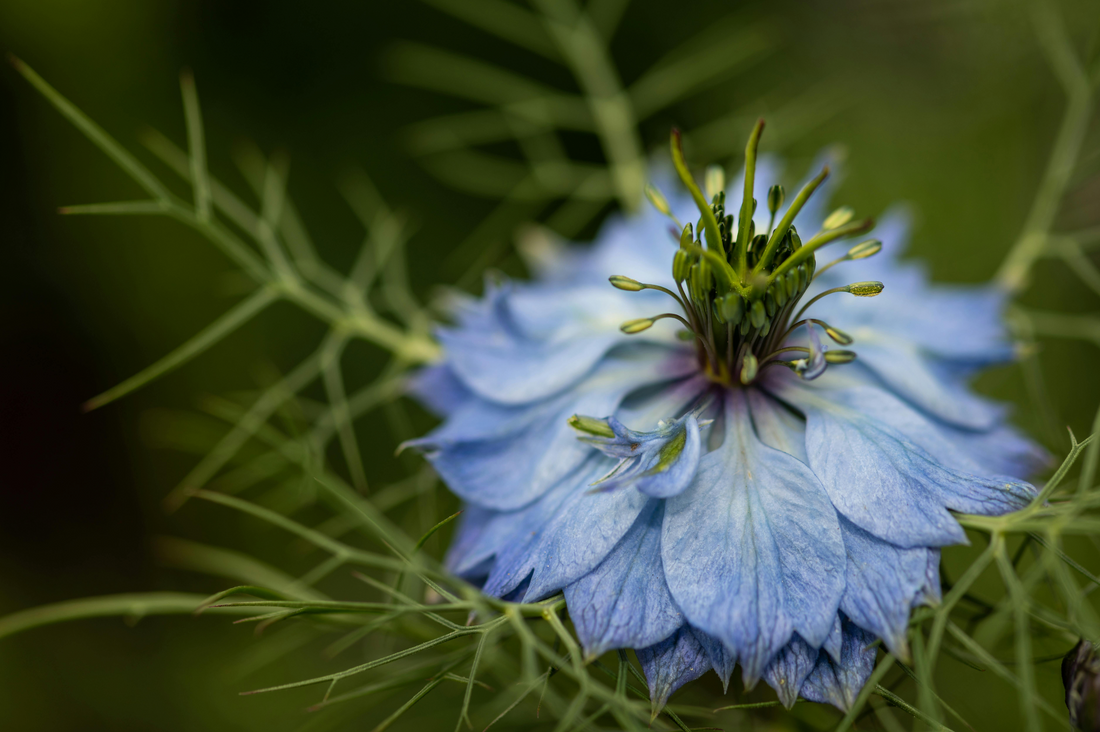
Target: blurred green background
946,104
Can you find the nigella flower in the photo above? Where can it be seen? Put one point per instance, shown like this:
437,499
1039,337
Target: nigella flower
719,483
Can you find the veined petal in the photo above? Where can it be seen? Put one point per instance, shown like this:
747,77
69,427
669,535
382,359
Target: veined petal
883,583
718,656
624,602
839,683
752,549
789,669
526,451
882,480
670,664
578,530
438,389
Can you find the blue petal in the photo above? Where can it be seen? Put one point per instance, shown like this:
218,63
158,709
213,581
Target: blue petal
839,683
752,550
660,463
624,602
790,668
670,664
506,457
719,658
438,389
882,480
912,375
580,532
472,525
883,583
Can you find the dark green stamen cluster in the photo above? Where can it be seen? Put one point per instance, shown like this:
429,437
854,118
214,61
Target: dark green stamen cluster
739,287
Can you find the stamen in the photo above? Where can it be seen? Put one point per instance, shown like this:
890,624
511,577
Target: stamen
661,203
864,249
840,356
591,425
837,218
749,367
859,289
632,285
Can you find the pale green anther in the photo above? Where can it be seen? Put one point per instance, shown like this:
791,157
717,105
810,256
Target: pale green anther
681,264
776,196
796,240
865,289
792,282
591,425
838,218
838,335
631,327
625,283
757,314
840,356
749,368
746,323
733,308
765,328
714,182
657,199
780,291
865,249
687,236
769,303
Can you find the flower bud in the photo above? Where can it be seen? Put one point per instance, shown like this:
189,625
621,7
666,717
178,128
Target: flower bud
749,368
838,218
591,425
687,236
625,283
681,264
865,289
839,356
714,182
776,196
865,249
732,307
657,199
1081,677
631,327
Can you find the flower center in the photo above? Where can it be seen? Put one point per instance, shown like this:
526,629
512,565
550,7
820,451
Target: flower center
739,289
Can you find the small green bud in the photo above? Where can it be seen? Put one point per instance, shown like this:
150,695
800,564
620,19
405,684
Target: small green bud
625,283
757,314
714,182
776,196
769,303
657,199
780,292
746,323
838,218
591,425
796,241
733,307
840,356
687,237
865,249
748,368
865,289
793,283
766,328
631,327
681,264
838,335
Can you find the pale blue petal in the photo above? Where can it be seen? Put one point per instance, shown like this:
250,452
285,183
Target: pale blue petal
789,669
580,533
624,602
883,583
882,480
472,525
752,550
839,683
438,389
670,664
504,458
720,658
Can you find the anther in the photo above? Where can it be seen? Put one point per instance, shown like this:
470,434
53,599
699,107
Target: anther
840,356
865,289
838,218
749,367
631,327
625,283
591,425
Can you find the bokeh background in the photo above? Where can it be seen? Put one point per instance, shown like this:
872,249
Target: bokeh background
945,104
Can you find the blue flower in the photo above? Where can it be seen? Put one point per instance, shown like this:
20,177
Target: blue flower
712,486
